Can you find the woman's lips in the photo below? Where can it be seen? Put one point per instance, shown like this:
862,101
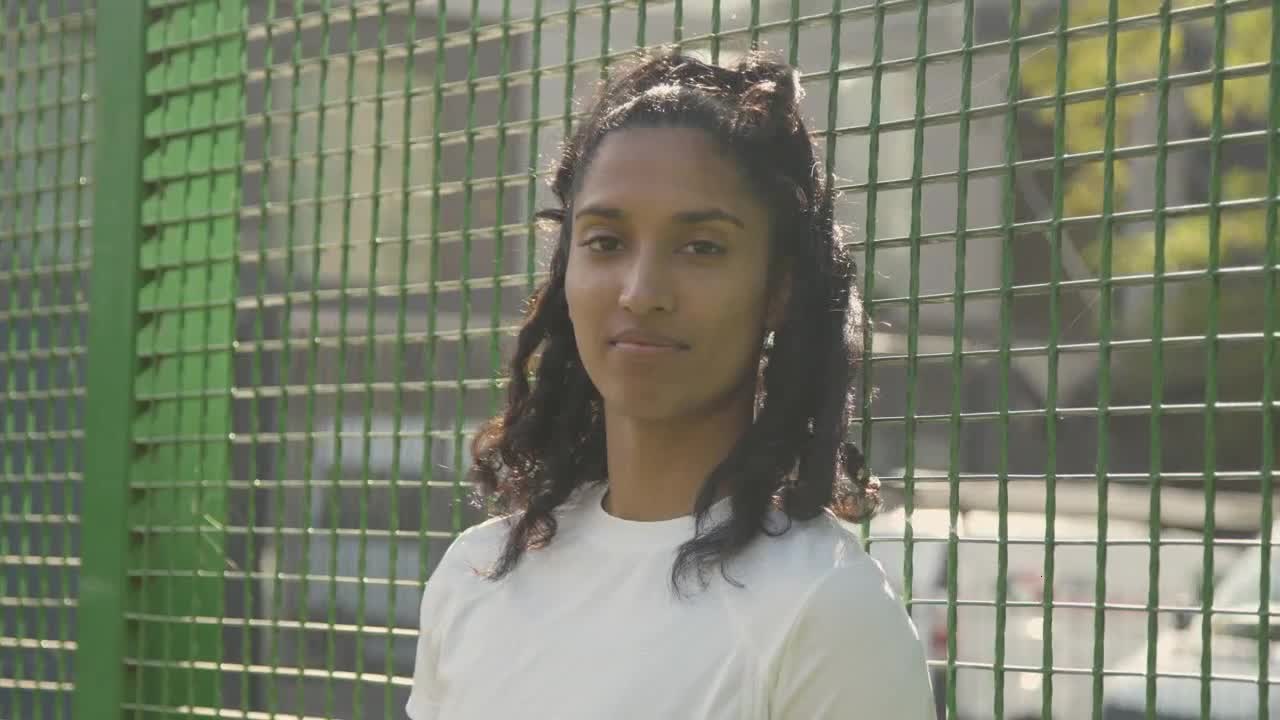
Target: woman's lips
639,340
643,348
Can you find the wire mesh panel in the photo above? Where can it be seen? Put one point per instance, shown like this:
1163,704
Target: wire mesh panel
1076,193
384,253
46,76
1001,189
1064,217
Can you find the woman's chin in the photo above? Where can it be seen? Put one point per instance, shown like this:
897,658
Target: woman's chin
646,407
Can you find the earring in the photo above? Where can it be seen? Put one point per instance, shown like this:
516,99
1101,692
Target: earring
768,340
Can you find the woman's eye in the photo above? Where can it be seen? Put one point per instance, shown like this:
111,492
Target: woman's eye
704,247
602,243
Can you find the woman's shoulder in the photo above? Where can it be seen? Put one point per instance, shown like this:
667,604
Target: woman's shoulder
799,558
474,550
814,546
819,585
848,640
479,546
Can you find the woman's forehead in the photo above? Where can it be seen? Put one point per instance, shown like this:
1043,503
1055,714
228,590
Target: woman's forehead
675,167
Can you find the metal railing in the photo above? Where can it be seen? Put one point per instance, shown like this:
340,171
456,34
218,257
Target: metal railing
261,260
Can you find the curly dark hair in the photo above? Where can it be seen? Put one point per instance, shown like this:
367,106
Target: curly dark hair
795,456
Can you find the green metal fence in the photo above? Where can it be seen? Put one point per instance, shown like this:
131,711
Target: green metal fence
260,261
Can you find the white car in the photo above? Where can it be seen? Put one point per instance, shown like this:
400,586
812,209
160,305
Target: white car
1233,654
1075,586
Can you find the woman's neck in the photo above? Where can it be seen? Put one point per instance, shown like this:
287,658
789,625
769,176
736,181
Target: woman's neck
657,467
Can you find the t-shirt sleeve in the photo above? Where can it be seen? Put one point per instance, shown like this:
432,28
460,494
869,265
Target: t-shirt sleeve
424,696
852,652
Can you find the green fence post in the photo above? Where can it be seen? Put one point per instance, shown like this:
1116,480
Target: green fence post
113,317
183,424
161,328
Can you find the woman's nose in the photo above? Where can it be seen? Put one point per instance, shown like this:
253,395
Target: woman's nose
647,286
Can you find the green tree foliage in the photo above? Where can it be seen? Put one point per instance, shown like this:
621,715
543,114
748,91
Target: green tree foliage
1244,107
1242,176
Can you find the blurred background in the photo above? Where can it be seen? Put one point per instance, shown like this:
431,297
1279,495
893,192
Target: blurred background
1065,222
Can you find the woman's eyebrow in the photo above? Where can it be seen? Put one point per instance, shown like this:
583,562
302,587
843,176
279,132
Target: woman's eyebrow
696,217
684,217
608,213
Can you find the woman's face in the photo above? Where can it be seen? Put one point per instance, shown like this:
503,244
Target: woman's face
668,275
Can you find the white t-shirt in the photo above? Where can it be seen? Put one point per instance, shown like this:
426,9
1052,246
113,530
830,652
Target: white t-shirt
587,628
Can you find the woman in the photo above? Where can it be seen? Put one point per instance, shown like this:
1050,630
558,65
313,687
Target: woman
670,468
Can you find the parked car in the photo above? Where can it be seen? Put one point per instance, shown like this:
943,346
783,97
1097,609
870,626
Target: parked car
1075,579
1233,653
373,570
364,553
